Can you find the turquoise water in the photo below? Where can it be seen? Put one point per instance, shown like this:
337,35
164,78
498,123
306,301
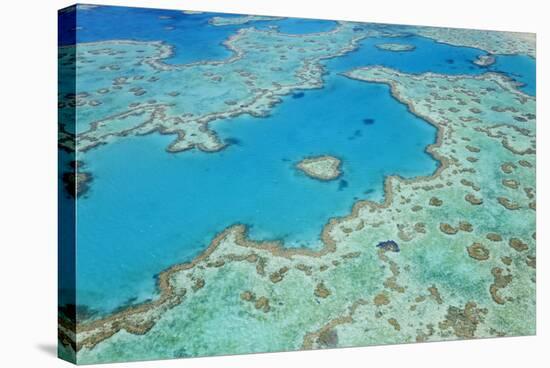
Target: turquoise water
148,209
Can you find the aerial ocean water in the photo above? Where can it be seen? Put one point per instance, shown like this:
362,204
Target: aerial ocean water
149,209
192,36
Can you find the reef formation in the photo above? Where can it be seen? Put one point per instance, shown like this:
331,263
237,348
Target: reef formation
408,302
485,60
397,47
463,261
321,167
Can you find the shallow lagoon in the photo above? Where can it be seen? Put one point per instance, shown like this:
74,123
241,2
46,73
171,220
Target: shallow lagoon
149,209
143,195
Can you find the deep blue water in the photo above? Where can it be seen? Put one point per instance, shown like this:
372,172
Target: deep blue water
431,56
301,26
428,56
194,39
519,67
191,34
149,209
66,234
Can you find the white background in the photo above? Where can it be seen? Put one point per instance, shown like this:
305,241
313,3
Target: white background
28,180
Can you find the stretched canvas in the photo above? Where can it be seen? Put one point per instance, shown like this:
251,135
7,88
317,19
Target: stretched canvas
234,184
